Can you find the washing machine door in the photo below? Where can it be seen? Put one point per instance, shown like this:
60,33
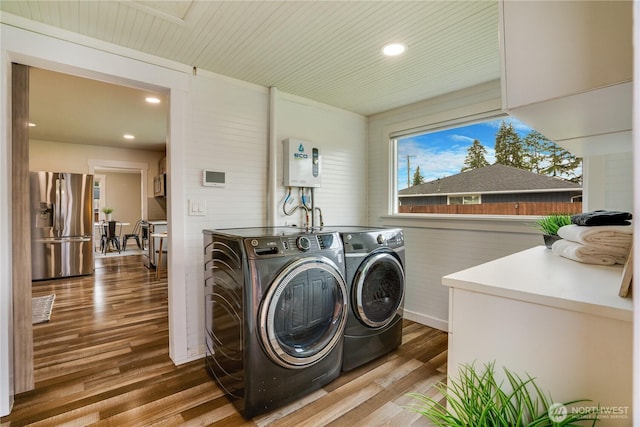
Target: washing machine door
303,314
378,289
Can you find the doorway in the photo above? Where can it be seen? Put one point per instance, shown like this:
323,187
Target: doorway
121,191
57,152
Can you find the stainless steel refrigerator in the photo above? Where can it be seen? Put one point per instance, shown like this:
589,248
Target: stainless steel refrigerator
61,224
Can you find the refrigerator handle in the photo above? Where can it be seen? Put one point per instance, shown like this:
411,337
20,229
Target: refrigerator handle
57,208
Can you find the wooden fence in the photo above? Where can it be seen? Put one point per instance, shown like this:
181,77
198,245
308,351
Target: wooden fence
510,208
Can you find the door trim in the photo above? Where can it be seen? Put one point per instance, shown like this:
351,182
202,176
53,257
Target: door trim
142,168
23,370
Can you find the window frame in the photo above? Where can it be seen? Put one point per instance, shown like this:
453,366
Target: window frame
463,196
421,126
433,123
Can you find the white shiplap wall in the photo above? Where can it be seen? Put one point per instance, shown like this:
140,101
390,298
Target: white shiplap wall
619,182
433,252
608,181
229,132
341,137
436,247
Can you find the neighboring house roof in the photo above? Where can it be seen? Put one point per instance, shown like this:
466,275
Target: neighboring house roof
494,178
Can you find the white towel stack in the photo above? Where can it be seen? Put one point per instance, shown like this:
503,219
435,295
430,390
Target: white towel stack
604,245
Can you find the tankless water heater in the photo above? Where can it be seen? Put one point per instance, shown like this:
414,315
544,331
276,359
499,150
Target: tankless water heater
301,163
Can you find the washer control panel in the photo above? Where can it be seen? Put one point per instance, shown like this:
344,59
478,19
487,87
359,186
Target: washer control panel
303,243
291,244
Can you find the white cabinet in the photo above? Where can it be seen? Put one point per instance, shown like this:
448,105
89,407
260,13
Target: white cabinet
159,185
557,320
567,70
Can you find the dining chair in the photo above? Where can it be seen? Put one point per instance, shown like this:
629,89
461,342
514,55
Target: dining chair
103,235
135,234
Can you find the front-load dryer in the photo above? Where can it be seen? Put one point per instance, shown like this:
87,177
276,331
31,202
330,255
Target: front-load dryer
375,274
275,313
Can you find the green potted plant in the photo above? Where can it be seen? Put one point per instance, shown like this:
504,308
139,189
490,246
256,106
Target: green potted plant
107,212
478,398
549,225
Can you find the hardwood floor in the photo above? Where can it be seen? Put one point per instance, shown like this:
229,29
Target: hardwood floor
103,360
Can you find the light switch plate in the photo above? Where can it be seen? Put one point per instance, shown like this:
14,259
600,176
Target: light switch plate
197,207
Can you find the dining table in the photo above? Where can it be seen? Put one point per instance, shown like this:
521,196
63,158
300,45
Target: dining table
98,231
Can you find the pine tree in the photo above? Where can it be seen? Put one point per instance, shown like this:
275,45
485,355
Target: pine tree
508,146
417,177
475,157
561,163
534,146
544,156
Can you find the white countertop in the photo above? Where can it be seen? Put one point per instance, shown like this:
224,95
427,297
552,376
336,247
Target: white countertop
538,276
158,222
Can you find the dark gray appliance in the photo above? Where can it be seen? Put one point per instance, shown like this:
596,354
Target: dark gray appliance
374,264
61,224
275,312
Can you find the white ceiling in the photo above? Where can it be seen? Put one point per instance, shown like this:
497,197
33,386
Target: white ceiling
328,51
75,110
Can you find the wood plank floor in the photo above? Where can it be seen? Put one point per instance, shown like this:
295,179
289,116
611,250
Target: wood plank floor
103,360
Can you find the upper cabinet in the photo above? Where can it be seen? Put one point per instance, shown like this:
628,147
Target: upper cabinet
567,71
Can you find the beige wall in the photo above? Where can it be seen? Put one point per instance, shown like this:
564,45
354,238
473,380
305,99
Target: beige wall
64,157
123,195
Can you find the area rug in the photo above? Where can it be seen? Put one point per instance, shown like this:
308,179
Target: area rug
41,308
112,254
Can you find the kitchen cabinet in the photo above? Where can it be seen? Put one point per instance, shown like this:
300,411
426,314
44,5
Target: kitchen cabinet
160,185
555,319
567,71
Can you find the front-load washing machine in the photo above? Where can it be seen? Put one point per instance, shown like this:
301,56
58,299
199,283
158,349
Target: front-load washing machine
275,313
374,264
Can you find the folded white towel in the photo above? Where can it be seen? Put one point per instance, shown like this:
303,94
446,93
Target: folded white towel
613,239
585,254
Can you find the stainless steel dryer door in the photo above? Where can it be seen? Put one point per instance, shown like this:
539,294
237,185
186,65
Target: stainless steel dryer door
303,314
378,289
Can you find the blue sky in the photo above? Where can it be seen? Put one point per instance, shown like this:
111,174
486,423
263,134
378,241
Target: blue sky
442,153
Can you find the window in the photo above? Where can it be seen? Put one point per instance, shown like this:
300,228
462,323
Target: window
465,200
494,167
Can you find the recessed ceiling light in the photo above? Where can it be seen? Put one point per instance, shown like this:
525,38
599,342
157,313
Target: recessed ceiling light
32,125
128,136
393,49
152,100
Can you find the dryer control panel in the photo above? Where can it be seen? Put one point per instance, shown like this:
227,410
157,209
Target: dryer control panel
365,242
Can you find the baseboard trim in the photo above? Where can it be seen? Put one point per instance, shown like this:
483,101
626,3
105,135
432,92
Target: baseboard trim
190,357
423,319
